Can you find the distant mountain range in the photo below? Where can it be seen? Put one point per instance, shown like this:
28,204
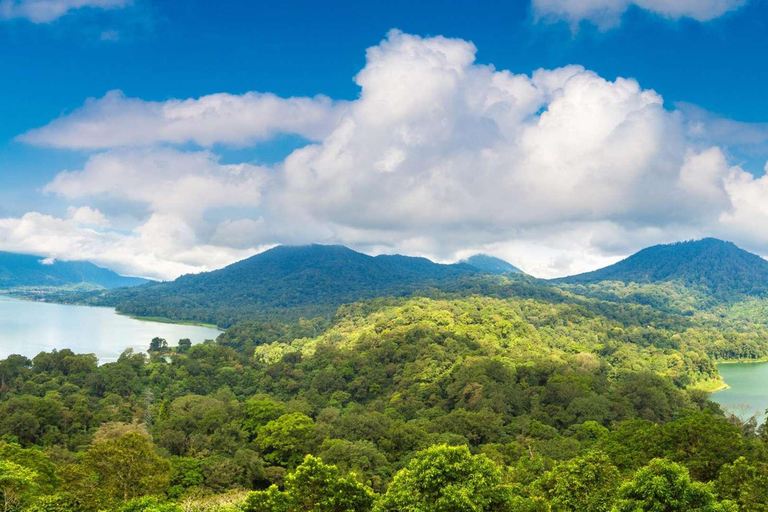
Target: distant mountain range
22,270
720,267
288,282
491,265
284,283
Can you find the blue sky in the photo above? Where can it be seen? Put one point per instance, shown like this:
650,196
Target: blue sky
709,70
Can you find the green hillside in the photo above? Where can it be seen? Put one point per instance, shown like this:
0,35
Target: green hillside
284,283
513,402
721,268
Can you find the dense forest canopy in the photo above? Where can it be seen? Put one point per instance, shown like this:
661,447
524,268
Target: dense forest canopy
475,393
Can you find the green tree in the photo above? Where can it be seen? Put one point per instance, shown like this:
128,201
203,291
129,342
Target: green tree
257,412
285,440
313,486
184,345
36,460
128,467
17,484
745,483
447,478
586,483
664,486
158,344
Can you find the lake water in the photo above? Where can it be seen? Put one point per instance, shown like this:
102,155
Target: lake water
748,389
28,328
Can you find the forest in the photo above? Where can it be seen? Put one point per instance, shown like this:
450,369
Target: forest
499,394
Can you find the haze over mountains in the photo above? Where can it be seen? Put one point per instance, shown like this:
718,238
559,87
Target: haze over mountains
491,265
22,270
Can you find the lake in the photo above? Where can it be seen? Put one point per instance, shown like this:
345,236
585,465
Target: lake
28,328
748,389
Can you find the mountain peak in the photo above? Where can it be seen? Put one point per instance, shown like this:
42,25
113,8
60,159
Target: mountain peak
287,283
491,264
721,267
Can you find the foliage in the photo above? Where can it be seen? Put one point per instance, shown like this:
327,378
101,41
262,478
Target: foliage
447,478
666,486
491,393
313,486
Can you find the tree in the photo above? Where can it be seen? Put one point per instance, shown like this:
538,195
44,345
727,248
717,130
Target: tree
585,483
128,467
16,485
444,478
665,486
314,486
158,345
703,443
34,459
184,345
258,412
745,483
285,439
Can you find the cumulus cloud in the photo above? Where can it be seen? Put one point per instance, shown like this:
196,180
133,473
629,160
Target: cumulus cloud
175,190
607,13
88,216
46,11
559,171
118,121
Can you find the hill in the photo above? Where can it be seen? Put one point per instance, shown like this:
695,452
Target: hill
284,283
23,270
720,268
491,264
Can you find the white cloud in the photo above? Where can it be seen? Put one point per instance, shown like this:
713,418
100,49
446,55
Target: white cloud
46,11
116,121
175,189
559,171
140,253
607,13
88,216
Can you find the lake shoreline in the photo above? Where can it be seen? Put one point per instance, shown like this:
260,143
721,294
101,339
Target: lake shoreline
31,327
156,319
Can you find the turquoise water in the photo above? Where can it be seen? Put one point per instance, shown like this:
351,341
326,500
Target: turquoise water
748,392
28,328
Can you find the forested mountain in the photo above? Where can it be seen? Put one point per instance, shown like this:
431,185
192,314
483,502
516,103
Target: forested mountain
22,270
491,264
717,267
503,402
284,283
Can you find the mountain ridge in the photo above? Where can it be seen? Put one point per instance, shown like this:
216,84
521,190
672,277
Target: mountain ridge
716,265
26,270
285,283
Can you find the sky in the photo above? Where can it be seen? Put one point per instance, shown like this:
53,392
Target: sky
159,138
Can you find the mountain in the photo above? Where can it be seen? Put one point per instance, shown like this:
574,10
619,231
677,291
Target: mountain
283,283
491,265
23,270
721,268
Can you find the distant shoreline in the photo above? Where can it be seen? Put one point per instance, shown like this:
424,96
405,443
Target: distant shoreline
163,320
156,319
743,361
